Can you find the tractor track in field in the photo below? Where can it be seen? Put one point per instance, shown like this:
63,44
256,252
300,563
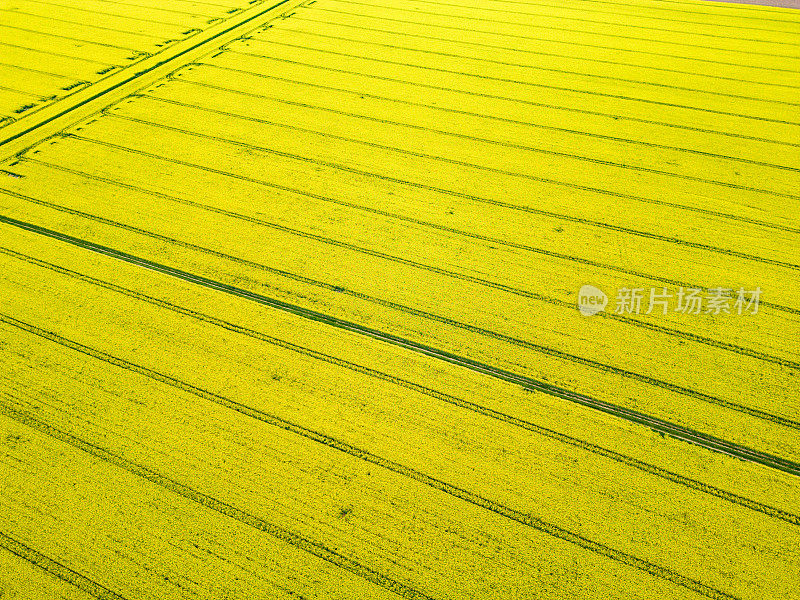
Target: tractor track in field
422,389
687,335
603,367
306,544
457,194
659,425
57,569
23,133
178,76
568,31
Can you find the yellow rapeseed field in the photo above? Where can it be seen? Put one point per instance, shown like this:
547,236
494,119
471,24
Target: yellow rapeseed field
289,300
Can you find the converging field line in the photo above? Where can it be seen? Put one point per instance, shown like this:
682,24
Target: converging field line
658,425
